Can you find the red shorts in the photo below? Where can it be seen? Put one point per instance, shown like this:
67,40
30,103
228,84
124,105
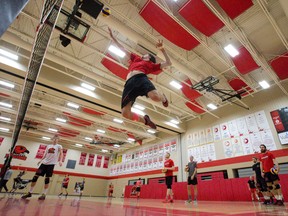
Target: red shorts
252,190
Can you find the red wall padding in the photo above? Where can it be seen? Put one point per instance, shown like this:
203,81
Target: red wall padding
234,8
167,26
244,61
280,66
199,16
188,92
215,190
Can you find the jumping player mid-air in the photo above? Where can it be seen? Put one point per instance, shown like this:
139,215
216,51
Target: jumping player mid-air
138,84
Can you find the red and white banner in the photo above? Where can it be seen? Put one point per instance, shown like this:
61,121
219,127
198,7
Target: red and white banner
106,162
1,140
41,151
64,154
82,158
90,159
98,160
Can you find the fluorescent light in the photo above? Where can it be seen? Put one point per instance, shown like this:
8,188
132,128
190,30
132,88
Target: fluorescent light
79,145
104,150
131,139
139,107
88,138
53,130
264,84
7,84
116,146
76,106
231,50
173,121
100,131
8,54
176,84
87,86
151,131
212,106
118,120
61,120
171,124
6,105
4,129
116,51
46,138
137,111
5,118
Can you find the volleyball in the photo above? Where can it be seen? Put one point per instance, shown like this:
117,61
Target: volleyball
164,170
274,171
106,12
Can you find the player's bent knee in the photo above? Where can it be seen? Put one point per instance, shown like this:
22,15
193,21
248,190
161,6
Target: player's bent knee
277,186
47,180
35,178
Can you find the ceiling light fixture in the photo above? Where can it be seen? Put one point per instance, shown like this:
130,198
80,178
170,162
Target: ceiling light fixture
53,130
61,120
76,106
9,54
87,86
176,84
231,50
116,51
116,146
104,150
6,104
118,120
131,139
139,107
171,124
78,145
137,111
46,138
151,131
264,84
174,121
7,84
5,118
4,129
101,131
88,138
212,106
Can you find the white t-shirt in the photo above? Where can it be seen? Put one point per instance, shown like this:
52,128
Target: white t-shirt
52,154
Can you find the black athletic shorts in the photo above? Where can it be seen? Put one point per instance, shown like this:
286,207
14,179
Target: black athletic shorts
169,180
45,170
261,184
193,181
138,189
64,186
137,85
269,177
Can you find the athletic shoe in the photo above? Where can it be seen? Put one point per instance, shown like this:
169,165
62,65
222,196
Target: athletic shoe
42,197
66,195
166,102
266,202
27,195
188,201
171,201
280,203
149,122
59,195
165,201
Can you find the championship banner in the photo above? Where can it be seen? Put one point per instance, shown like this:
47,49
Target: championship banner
64,154
167,147
173,145
90,159
41,151
155,148
106,162
1,140
161,148
82,158
98,161
150,152
279,118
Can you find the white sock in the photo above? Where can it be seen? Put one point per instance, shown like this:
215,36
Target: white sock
31,190
45,191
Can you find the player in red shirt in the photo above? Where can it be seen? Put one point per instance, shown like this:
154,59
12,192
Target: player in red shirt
138,84
111,189
269,173
168,170
64,185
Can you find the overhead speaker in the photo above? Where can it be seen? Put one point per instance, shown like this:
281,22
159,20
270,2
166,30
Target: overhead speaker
92,7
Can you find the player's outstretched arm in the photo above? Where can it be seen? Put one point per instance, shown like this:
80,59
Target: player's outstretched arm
167,61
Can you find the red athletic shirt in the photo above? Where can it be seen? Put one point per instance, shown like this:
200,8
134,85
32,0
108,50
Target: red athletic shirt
66,181
267,161
146,67
169,163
